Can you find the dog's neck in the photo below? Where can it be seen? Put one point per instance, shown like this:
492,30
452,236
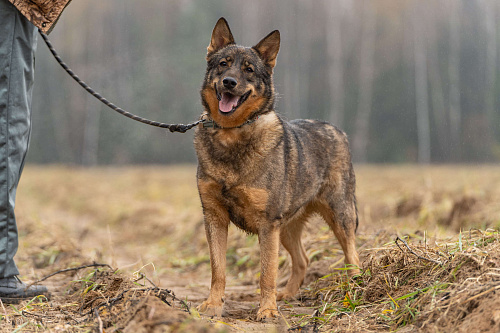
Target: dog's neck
266,127
210,123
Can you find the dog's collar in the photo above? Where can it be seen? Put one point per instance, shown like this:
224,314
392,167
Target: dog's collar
210,123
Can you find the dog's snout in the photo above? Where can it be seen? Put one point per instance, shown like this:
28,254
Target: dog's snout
229,82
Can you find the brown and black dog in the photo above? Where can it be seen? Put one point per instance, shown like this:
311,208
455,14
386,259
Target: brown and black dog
265,174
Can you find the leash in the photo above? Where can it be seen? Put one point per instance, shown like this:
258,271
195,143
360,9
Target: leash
182,128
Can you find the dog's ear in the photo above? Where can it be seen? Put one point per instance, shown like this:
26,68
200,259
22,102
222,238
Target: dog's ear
221,37
268,48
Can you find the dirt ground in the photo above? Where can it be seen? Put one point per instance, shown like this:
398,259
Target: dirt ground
146,224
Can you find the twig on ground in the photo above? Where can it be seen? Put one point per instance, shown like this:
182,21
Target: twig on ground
5,312
143,276
412,252
69,270
99,320
481,294
69,316
24,313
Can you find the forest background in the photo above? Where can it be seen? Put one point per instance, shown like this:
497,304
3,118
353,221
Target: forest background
410,81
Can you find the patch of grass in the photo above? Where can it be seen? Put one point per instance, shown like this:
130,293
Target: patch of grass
400,287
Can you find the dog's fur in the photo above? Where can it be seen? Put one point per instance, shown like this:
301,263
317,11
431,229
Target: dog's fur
263,173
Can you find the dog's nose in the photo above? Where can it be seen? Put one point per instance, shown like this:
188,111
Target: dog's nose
229,82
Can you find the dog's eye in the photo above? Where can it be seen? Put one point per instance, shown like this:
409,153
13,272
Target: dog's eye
249,69
223,63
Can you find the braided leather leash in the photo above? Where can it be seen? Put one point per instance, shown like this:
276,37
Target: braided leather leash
182,128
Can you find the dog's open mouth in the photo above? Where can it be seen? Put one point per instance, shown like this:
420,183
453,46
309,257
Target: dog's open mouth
229,103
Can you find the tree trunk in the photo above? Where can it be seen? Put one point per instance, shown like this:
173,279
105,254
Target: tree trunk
335,62
366,75
90,142
491,70
291,83
454,110
250,23
305,50
437,100
421,89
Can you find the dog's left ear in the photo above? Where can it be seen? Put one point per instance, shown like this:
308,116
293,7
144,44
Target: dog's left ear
268,48
221,36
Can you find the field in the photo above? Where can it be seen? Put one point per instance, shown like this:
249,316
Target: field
428,240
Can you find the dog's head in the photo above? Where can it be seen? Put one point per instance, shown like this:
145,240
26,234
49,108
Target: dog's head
238,83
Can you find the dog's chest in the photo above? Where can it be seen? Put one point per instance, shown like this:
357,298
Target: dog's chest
246,206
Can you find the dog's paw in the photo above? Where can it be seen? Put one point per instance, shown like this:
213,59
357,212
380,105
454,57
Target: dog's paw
208,309
285,295
264,313
353,272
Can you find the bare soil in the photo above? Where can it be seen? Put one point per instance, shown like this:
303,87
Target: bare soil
146,224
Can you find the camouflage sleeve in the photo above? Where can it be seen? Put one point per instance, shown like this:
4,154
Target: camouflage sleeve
42,13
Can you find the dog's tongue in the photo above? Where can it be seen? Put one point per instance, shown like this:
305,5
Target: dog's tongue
227,102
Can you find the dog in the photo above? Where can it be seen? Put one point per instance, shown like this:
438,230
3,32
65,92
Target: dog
264,174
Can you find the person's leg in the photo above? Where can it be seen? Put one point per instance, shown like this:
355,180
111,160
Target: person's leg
17,61
17,50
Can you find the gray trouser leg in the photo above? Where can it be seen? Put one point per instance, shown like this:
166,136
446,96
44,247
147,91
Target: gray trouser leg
17,52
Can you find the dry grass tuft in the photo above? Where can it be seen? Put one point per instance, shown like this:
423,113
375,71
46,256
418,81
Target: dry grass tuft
444,286
104,300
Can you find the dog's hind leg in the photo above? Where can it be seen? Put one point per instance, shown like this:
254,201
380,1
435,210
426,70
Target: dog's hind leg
342,219
290,237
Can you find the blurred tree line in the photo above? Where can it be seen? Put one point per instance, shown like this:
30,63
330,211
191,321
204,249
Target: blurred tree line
408,80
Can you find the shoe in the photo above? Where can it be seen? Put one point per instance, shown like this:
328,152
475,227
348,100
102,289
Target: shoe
13,290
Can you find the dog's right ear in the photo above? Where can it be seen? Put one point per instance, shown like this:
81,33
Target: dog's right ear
221,37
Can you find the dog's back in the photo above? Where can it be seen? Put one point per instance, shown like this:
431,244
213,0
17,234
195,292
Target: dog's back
312,163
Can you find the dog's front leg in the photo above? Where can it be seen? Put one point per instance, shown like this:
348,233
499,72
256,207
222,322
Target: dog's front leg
217,241
269,238
216,226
